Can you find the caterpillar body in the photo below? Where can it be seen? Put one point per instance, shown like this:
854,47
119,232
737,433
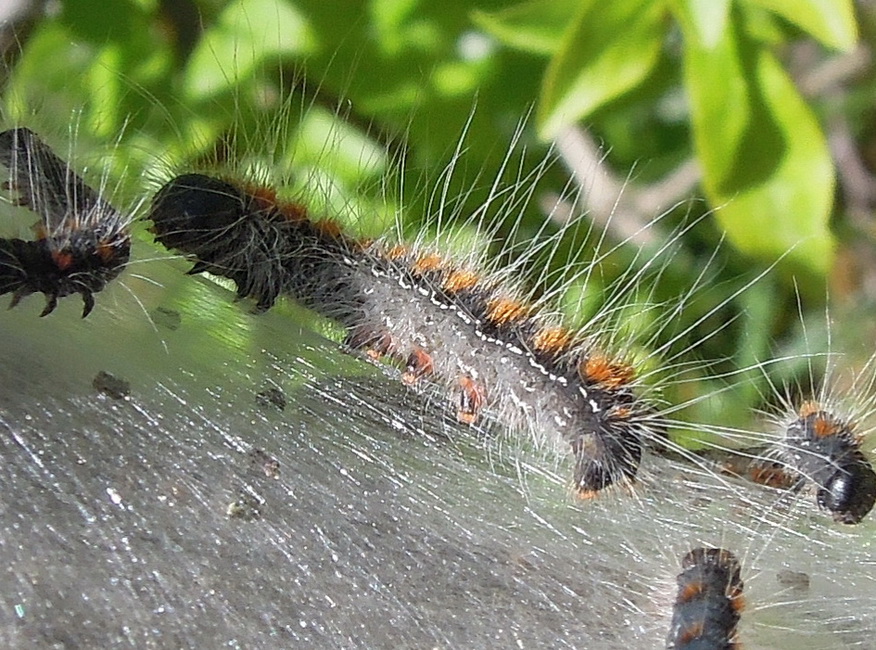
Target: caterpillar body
818,439
709,603
813,444
82,244
443,322
821,446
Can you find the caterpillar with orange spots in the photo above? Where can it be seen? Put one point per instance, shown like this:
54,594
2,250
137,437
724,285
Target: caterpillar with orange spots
813,444
709,603
446,323
83,242
817,440
822,447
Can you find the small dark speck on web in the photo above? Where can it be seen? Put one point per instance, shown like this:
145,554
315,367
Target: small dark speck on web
111,385
267,463
168,318
247,506
271,397
793,579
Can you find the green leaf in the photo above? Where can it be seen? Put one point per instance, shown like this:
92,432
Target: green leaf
609,49
721,96
830,21
708,18
100,22
246,34
766,165
536,26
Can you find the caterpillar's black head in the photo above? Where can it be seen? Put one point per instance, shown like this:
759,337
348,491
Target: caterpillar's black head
192,212
81,263
83,242
850,492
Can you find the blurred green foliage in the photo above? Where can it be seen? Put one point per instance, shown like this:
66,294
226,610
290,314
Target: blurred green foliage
407,87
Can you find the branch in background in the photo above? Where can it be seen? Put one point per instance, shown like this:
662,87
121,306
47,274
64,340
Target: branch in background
621,207
833,74
857,183
627,209
830,79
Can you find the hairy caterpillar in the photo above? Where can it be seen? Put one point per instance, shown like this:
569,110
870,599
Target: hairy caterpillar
439,319
819,441
570,388
816,437
83,242
709,602
824,448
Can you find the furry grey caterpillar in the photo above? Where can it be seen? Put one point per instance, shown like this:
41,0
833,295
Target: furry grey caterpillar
443,322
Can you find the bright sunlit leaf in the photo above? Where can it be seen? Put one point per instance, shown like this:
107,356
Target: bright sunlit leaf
247,33
766,164
536,26
830,21
608,50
